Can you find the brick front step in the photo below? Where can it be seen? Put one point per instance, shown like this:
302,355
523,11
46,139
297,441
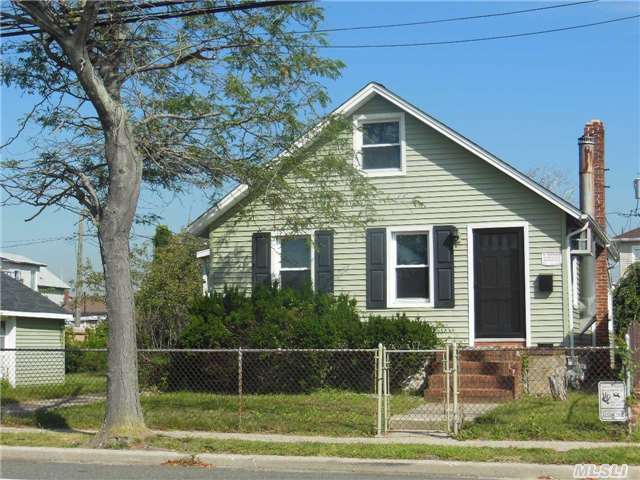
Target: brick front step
475,381
488,394
491,355
484,368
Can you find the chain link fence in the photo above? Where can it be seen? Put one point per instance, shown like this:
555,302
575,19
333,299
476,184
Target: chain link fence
417,390
308,391
488,392
527,393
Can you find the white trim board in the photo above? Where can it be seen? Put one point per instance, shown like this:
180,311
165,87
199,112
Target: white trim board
52,316
201,224
471,276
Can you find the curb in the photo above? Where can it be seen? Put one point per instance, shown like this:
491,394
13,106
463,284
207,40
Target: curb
296,464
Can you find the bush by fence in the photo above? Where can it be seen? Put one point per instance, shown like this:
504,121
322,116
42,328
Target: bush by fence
273,318
77,361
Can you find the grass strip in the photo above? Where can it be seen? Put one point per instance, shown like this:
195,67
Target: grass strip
195,446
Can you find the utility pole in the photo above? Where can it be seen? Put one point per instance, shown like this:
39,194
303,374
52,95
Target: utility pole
79,254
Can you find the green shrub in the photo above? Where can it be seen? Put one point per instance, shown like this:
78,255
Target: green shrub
626,299
273,318
77,360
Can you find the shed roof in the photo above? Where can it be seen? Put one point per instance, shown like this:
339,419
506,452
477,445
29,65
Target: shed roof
19,300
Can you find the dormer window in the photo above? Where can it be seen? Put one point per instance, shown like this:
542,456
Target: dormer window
379,144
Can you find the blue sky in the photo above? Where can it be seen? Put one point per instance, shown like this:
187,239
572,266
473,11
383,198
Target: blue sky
524,99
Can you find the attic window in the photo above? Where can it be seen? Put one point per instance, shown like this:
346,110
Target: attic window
379,144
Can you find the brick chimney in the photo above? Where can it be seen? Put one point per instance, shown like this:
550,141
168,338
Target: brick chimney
595,130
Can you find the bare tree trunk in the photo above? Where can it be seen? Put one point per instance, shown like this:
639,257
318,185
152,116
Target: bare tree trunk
124,419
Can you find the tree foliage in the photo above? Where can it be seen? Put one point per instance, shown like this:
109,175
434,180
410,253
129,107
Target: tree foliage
210,100
176,101
171,283
626,299
555,180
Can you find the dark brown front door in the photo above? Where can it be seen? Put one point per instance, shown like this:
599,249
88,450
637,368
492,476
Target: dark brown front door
499,283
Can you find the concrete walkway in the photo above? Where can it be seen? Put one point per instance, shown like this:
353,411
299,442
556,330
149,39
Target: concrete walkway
30,406
415,438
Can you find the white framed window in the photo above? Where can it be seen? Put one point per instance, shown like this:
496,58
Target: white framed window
379,144
292,261
635,254
409,273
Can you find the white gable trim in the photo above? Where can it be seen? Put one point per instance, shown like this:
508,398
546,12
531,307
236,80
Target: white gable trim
200,225
376,89
51,316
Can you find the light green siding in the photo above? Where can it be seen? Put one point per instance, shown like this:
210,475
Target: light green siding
444,185
34,367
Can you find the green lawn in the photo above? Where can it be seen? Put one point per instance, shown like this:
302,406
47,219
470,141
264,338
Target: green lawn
326,412
75,384
194,446
546,419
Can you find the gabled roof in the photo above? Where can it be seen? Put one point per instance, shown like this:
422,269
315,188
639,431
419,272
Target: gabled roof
19,300
46,278
15,258
629,236
201,224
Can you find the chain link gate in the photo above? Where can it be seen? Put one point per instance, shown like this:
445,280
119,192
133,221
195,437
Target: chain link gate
417,390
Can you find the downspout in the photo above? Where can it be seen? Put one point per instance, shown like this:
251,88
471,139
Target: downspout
571,299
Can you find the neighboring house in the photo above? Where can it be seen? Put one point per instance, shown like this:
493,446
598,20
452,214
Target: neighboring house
29,320
21,268
52,287
34,275
629,245
466,240
92,310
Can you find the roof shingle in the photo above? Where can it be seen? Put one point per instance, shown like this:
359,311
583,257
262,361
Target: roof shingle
16,297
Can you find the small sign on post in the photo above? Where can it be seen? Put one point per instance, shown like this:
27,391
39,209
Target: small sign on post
612,401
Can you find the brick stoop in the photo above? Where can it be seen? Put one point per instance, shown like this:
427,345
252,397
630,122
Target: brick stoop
489,375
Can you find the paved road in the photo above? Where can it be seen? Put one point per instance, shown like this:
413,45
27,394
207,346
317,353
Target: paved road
25,470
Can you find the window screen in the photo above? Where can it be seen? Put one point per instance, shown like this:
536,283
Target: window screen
412,266
381,145
295,266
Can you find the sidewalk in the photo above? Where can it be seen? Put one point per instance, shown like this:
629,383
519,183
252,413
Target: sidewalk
299,464
394,438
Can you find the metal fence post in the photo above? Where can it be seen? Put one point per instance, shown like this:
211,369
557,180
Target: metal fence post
447,375
456,415
385,383
379,386
240,389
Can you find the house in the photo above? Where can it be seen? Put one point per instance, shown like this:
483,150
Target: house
29,320
92,310
34,275
467,241
628,244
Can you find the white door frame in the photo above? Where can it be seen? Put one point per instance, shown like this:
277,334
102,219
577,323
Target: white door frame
471,275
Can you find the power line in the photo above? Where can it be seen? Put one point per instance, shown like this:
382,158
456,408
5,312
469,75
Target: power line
478,39
39,241
16,30
445,20
73,236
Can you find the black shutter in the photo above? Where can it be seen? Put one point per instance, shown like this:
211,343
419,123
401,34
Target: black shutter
376,268
261,259
444,238
324,262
